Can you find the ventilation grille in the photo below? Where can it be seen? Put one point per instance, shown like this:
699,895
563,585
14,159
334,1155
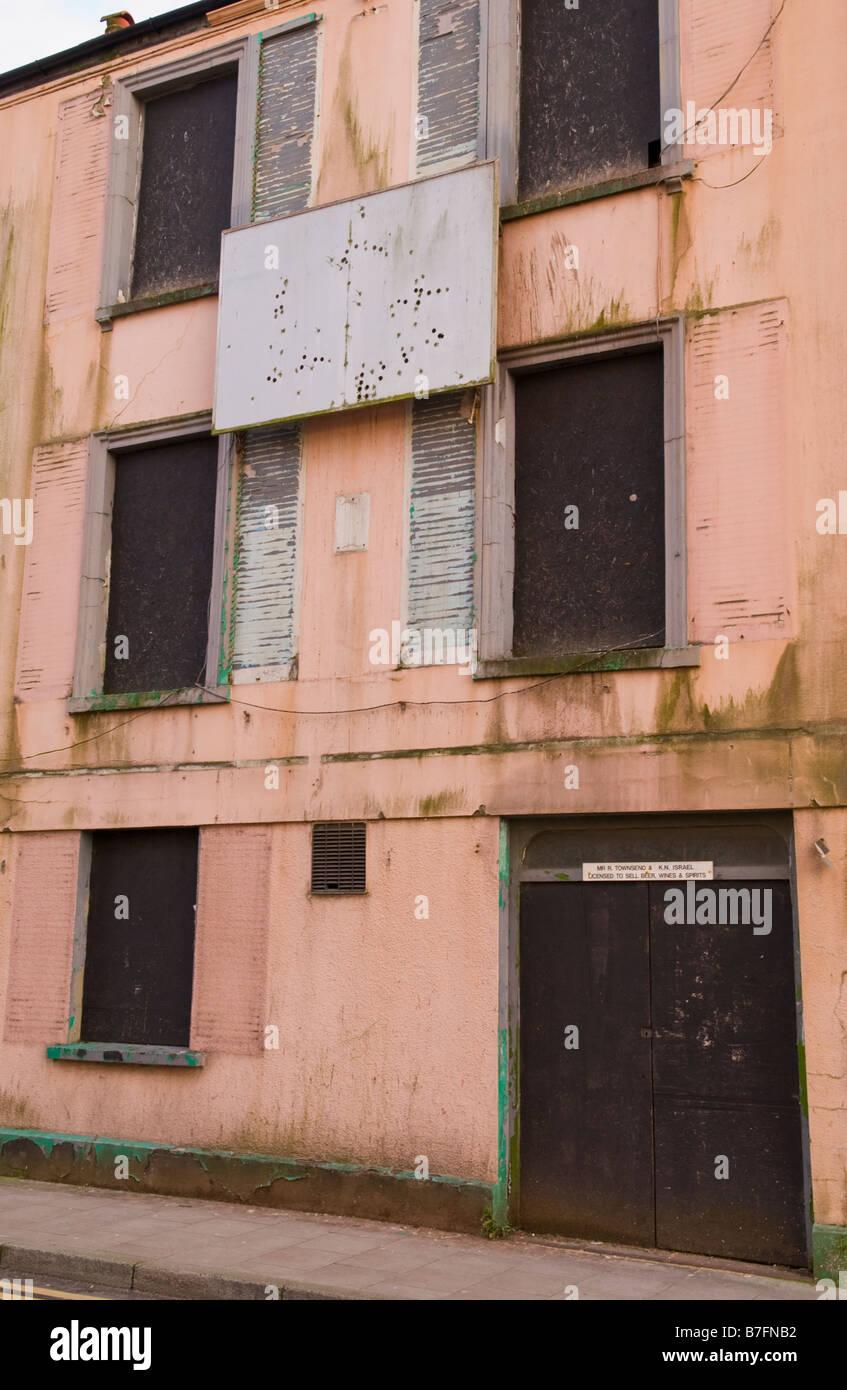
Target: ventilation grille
338,857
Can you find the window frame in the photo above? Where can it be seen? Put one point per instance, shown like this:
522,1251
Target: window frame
494,582
89,667
129,97
75,1050
500,69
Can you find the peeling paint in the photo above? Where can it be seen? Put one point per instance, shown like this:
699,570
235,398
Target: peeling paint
285,122
441,588
76,227
739,574
265,560
448,84
254,1179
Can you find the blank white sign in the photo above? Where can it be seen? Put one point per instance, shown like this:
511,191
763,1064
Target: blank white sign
382,297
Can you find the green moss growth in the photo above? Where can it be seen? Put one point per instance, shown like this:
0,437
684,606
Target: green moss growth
491,1229
616,313
438,804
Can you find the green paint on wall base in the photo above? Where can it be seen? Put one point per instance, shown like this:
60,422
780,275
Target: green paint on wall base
829,1252
500,1195
346,1189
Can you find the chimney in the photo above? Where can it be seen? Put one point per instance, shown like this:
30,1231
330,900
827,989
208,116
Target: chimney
120,20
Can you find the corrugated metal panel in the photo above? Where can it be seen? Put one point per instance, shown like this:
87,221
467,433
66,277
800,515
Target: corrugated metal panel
47,637
79,209
42,933
739,569
448,84
441,556
229,1007
285,125
721,50
266,548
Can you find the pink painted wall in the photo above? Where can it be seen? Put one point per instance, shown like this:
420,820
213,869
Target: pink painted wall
363,990
387,1022
345,596
44,874
821,902
229,997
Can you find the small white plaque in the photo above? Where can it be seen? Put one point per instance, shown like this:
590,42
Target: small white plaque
352,521
649,870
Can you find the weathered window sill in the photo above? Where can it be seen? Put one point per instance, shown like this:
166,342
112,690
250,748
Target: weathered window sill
132,1054
106,313
644,178
633,659
155,699
338,893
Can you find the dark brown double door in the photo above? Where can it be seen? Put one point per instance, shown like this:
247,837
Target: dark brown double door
672,1117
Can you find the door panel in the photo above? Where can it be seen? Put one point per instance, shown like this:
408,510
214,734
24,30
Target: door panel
585,1129
725,1082
686,1065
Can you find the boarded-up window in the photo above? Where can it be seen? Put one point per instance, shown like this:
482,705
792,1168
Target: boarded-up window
139,955
266,552
590,104
185,198
285,125
589,506
441,551
447,124
161,566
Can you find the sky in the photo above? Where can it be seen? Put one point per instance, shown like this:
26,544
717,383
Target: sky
31,29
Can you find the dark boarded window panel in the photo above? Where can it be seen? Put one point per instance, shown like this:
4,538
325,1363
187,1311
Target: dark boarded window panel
338,857
161,567
285,126
448,84
185,199
139,966
266,545
590,103
590,434
441,552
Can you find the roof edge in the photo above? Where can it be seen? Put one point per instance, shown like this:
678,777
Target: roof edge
93,51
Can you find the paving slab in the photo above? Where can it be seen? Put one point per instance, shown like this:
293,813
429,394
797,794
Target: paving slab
187,1248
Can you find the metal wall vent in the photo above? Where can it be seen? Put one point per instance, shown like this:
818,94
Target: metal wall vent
338,857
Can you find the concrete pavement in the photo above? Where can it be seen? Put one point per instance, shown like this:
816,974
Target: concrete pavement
192,1249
